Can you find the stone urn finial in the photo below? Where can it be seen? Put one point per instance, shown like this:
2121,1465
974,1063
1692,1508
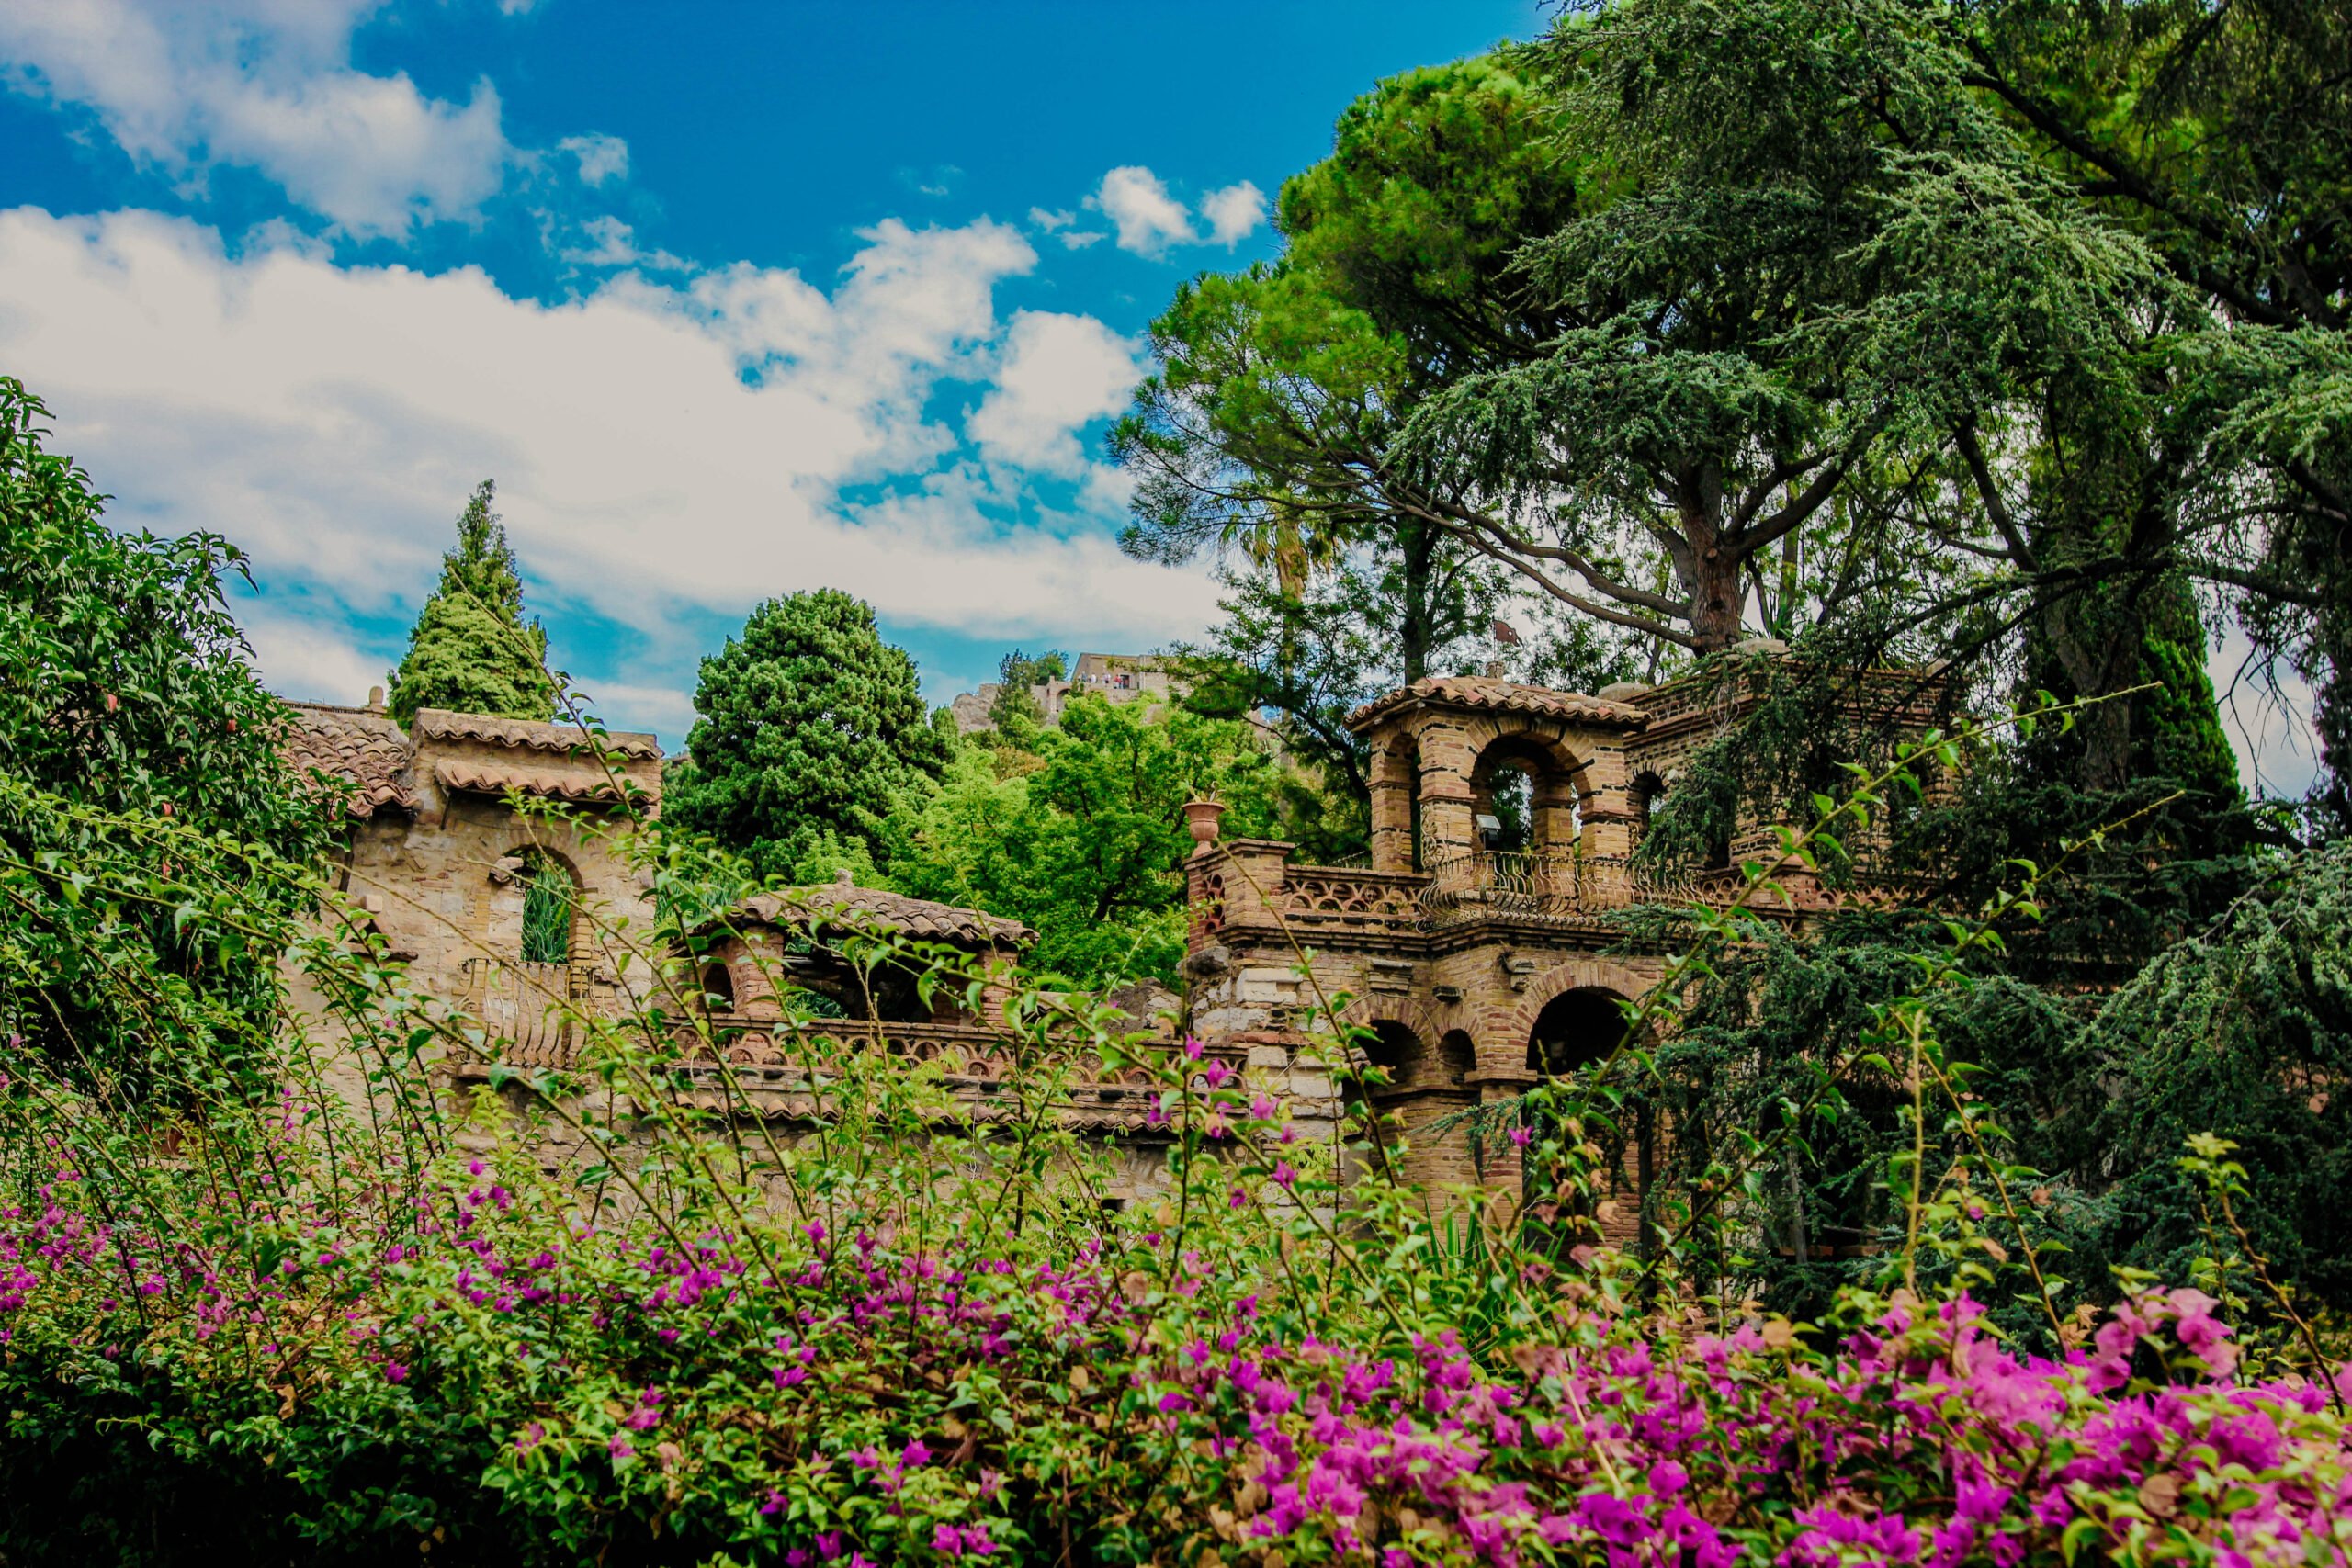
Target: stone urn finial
1201,816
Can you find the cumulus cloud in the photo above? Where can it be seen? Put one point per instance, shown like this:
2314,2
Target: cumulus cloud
1059,374
600,157
1137,202
183,85
306,658
608,242
664,451
1234,213
1149,218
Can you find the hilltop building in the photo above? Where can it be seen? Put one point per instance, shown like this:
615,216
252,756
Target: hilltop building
1116,677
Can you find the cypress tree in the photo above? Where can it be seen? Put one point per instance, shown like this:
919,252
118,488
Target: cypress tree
470,649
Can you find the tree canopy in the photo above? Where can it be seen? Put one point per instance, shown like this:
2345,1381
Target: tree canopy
2010,334
134,739
469,651
811,730
1080,835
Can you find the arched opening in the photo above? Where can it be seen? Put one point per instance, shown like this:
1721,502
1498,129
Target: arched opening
550,905
1644,795
1396,1050
1524,794
718,988
1457,1056
1509,821
1576,1033
1576,1030
1408,1113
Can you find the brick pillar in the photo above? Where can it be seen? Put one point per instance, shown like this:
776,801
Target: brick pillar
1253,872
1392,805
1606,807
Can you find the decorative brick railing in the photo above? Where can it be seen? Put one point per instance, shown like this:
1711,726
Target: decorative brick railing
1319,895
1543,885
769,1077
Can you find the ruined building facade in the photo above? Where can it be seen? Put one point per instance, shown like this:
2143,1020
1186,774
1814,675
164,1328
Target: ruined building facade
1477,947
1114,677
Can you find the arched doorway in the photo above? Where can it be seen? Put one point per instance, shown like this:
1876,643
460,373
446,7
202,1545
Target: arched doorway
1422,1088
1576,1033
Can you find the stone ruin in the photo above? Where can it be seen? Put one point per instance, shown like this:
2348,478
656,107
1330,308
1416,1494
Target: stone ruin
1114,677
1474,951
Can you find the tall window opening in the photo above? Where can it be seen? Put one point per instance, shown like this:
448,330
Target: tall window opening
546,909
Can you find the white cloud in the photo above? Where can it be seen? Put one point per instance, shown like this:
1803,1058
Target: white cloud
1137,204
663,453
1079,238
1234,213
601,157
608,242
1149,220
1049,222
307,659
1059,374
183,85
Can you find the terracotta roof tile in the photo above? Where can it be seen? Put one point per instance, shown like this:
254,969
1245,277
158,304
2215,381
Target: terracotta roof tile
360,745
842,905
1502,696
440,723
578,784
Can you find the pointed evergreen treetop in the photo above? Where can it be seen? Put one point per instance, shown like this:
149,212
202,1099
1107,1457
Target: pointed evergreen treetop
470,650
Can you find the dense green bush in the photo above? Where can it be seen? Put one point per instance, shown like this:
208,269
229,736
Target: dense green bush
139,756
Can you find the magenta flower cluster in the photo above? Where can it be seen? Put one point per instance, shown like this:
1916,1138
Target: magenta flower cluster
804,1397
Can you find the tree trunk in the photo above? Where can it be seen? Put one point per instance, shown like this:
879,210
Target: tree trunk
1419,542
1708,571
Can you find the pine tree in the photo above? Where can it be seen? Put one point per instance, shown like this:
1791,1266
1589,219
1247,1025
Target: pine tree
813,729
470,649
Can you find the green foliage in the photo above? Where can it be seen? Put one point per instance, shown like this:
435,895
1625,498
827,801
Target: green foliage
469,651
2244,1030
1080,837
548,899
811,730
134,739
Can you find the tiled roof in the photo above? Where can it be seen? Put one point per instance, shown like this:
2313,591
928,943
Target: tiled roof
1502,696
442,725
844,907
360,745
578,784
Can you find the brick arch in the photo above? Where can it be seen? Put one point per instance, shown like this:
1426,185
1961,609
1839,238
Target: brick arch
1549,736
1413,1014
1505,1049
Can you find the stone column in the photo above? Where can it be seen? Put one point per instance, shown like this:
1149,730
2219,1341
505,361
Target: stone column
1448,805
1606,807
1392,805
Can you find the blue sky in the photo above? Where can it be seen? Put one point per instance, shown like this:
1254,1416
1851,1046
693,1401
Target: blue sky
731,299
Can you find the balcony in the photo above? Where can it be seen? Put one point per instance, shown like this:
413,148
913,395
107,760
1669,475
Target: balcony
1544,886
526,1010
